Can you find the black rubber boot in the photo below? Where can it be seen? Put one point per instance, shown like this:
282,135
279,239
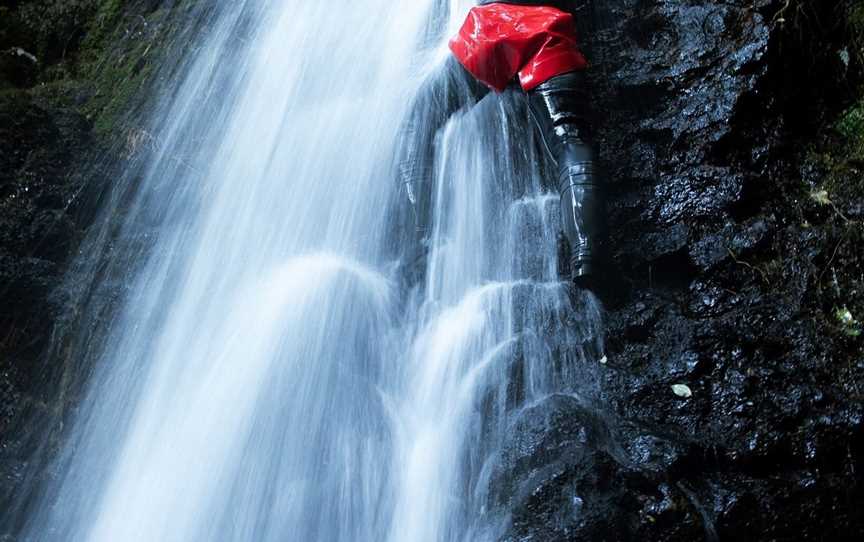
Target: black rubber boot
560,109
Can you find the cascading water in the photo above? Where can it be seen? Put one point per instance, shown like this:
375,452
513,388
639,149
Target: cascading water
273,374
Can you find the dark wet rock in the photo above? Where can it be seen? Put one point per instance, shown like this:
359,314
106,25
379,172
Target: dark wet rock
557,431
731,274
733,241
565,474
556,478
38,150
18,67
42,148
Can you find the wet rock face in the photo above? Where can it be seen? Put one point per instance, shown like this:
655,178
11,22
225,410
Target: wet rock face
70,74
41,152
558,475
724,286
38,228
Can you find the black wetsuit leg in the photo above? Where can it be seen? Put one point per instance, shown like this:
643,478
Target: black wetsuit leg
560,109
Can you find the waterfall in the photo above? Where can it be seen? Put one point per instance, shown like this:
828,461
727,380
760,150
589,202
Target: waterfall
273,373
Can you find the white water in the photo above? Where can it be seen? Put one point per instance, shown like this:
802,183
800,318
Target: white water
272,375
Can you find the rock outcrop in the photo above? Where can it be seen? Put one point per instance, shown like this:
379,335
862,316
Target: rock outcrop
735,366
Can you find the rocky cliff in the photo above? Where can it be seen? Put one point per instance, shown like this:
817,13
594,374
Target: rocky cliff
732,137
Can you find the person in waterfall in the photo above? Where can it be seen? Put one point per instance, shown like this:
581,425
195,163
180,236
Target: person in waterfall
532,44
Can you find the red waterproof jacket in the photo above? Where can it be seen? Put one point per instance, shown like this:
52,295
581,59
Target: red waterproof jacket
499,41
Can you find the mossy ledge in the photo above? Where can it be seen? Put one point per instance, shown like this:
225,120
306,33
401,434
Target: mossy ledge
93,57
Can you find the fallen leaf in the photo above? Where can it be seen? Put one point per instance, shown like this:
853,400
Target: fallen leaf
682,390
845,57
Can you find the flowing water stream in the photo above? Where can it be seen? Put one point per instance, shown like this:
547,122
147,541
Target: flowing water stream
275,372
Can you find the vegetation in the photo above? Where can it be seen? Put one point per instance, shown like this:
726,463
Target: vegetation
92,56
837,159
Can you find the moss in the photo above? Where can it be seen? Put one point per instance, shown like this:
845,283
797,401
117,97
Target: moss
107,13
851,123
856,23
122,71
834,183
55,28
122,55
851,128
96,56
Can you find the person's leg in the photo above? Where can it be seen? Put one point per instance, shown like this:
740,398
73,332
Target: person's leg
559,107
537,41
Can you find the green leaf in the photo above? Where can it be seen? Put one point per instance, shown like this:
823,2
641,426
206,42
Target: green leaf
845,316
850,325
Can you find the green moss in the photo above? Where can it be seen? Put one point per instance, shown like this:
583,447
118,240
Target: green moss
851,123
95,56
856,31
856,18
103,29
120,75
55,28
851,127
834,182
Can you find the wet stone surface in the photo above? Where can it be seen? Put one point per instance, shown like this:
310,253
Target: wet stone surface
733,401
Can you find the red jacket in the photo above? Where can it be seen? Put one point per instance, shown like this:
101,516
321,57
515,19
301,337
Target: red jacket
499,41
